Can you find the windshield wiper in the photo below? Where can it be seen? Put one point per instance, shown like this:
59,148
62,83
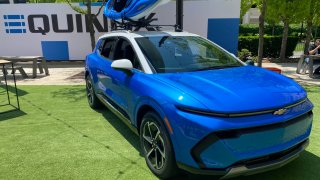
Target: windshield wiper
216,67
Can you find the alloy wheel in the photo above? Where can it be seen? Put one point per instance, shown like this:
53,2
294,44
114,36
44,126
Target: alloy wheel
89,91
153,145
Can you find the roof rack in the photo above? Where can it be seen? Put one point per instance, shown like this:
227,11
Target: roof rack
145,22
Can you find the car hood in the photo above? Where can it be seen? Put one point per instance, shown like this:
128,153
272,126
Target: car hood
235,90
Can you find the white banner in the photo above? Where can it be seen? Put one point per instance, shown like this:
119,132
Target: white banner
59,33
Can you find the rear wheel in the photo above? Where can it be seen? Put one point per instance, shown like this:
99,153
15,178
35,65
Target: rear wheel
156,147
93,100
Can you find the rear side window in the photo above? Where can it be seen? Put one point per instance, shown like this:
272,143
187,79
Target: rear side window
101,44
108,47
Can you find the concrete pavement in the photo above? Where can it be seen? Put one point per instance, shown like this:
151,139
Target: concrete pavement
289,70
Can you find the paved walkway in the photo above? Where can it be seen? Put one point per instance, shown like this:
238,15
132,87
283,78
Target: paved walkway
289,70
72,73
62,73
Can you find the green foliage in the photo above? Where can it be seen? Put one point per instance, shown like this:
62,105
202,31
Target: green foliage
313,13
75,8
272,45
291,11
246,5
272,30
243,54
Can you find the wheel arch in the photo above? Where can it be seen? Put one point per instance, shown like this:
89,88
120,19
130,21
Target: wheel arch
86,74
145,106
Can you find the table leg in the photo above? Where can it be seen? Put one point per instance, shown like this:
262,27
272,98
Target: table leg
15,86
311,67
45,66
34,68
5,80
300,63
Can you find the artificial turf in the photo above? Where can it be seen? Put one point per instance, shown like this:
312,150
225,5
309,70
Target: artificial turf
57,136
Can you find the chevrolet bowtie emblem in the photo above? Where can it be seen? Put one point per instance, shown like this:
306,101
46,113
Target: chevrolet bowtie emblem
280,112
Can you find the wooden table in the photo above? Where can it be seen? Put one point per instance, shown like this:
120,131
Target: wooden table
34,59
302,62
3,63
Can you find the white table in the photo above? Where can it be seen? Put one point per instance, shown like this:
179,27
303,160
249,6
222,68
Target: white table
302,62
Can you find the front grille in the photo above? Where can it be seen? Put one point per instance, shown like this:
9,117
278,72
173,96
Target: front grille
238,132
231,134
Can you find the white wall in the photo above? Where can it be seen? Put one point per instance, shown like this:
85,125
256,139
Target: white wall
196,15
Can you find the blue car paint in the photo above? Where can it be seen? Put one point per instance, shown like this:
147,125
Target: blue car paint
235,90
246,89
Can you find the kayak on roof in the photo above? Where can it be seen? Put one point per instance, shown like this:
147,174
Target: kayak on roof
131,9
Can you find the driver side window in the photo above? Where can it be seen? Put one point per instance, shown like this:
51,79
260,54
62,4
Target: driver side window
124,50
108,46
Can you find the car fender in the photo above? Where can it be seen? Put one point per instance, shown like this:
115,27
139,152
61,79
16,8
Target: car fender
157,107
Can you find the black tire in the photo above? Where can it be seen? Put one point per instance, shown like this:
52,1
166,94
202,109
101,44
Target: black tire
155,142
93,100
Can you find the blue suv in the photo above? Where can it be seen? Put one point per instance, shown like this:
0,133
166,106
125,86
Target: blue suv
195,106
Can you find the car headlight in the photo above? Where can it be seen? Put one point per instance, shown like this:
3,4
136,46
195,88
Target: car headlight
201,111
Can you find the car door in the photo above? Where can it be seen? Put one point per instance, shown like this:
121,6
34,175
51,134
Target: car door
123,82
104,70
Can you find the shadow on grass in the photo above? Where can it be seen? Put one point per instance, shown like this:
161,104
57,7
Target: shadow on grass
307,166
122,128
10,114
12,90
71,93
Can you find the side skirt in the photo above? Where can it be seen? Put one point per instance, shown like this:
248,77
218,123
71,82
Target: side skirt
114,110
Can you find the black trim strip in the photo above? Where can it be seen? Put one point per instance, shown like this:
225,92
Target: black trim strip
115,111
116,106
232,115
234,133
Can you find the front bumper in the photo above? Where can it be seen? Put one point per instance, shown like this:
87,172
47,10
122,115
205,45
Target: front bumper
253,166
221,146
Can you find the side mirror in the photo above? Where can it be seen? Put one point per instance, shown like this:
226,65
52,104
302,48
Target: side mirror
249,63
122,64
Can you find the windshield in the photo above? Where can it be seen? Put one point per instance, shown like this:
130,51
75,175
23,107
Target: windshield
168,54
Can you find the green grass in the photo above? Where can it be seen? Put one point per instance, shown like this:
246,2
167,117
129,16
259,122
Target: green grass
57,136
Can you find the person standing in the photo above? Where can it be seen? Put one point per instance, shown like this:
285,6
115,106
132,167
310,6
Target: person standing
314,49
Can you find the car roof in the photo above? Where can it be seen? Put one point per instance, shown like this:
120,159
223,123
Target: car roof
137,34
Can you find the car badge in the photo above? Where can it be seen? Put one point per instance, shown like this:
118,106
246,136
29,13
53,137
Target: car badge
280,112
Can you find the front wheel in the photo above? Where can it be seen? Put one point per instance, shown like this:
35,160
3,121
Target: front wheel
156,147
93,100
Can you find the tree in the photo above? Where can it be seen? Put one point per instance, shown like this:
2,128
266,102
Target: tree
262,5
287,12
263,9
246,5
312,18
88,12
